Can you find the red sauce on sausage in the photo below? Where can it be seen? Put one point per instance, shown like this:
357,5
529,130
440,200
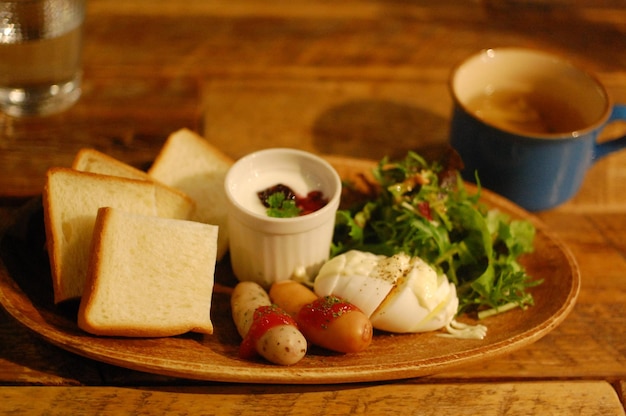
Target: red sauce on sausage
264,318
323,311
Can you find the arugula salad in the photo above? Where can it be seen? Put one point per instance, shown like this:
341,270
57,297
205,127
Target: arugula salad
423,209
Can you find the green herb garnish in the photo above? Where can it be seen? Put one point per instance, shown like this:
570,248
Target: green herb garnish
424,209
280,207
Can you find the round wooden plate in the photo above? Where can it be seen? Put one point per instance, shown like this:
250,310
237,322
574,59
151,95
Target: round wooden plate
26,293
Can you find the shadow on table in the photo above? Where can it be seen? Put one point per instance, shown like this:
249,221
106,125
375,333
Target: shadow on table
371,129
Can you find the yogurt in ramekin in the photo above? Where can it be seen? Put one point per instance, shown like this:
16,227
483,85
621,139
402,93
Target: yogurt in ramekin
265,249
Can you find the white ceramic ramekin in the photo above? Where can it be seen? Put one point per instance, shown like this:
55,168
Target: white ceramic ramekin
264,249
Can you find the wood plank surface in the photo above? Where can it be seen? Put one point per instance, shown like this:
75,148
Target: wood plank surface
317,69
532,398
357,78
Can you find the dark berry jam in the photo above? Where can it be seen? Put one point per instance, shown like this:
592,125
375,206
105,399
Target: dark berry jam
313,200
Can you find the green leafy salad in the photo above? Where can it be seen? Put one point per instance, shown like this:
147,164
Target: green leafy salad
424,209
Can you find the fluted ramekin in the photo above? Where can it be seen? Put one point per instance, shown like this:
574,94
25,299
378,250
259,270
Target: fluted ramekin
266,249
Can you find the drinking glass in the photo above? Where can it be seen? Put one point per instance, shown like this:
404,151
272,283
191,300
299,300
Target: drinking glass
40,55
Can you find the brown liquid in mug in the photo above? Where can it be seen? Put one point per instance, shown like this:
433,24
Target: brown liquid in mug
523,112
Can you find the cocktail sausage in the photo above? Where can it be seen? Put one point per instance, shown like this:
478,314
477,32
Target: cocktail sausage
328,322
266,329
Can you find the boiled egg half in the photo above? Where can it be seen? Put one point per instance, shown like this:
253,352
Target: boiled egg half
400,294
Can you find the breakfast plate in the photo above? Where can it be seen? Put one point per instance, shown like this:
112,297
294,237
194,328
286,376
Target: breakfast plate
26,294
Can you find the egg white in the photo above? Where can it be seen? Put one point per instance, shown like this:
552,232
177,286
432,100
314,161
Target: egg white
399,294
354,277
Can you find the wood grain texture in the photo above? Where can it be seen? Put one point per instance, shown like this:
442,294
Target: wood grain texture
354,78
304,72
531,398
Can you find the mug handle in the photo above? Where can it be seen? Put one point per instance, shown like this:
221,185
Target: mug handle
603,149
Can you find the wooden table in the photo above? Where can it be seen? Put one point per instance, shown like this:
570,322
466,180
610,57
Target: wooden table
353,78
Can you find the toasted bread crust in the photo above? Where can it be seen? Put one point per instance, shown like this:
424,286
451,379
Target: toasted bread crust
84,191
108,165
171,146
52,241
85,156
67,286
110,225
190,163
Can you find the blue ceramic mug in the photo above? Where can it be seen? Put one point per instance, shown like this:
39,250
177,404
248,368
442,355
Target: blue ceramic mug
527,122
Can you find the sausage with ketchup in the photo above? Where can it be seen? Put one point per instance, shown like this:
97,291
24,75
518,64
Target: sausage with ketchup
266,329
328,321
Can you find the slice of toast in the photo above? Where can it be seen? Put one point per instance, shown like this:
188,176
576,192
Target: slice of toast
171,202
148,276
191,164
71,200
